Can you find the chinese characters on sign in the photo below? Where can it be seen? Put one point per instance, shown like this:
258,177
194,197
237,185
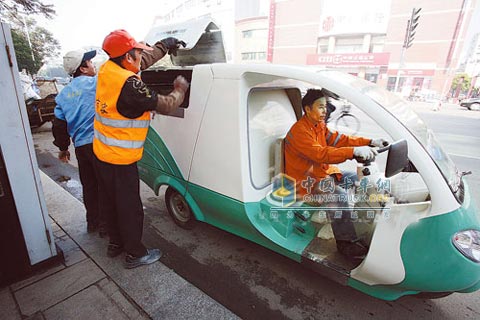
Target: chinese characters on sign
349,59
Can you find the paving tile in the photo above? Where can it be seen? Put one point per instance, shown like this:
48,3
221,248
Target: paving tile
56,198
71,252
7,306
36,277
36,316
149,286
59,286
90,304
111,290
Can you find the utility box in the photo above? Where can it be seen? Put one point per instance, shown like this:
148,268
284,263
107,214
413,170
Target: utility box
26,237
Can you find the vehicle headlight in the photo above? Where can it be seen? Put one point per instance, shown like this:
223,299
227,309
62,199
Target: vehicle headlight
468,243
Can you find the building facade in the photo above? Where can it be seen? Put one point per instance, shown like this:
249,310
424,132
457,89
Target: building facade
220,11
365,38
251,39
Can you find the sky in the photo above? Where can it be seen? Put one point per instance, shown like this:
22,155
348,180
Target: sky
86,23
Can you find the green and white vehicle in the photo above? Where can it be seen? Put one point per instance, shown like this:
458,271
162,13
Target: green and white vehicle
220,153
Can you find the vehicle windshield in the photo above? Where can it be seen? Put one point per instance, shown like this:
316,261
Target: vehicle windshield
402,111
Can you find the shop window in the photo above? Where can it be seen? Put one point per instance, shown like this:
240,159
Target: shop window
247,33
391,84
255,33
254,55
350,44
372,77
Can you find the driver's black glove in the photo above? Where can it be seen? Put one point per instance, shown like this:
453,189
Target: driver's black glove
172,44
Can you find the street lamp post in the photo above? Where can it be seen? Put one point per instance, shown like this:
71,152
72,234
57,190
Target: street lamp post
28,36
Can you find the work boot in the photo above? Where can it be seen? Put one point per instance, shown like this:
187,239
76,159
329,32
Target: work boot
352,249
114,250
152,256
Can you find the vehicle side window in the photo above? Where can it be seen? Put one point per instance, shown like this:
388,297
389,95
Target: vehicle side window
270,116
405,187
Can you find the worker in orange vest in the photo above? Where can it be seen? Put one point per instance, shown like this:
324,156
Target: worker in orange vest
123,110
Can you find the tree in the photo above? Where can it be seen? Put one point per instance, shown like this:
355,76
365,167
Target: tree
23,53
461,83
44,46
14,7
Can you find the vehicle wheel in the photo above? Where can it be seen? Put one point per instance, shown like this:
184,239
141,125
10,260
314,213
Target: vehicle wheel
348,123
474,106
178,209
432,295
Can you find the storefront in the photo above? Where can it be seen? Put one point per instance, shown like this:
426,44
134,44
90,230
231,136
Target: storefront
369,66
412,82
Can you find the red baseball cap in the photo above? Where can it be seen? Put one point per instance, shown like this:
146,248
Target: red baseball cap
119,42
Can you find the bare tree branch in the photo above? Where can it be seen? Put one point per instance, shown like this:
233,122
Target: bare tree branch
14,7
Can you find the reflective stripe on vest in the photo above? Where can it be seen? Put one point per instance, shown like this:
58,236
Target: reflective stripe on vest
131,123
126,144
117,139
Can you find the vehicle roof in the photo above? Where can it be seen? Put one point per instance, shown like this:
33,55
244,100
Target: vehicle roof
236,71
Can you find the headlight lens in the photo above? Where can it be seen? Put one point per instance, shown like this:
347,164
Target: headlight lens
468,243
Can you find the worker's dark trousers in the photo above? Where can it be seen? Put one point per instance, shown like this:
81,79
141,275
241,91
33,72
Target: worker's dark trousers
121,203
342,225
88,178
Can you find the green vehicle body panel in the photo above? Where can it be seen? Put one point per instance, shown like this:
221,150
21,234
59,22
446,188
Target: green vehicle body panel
253,221
432,263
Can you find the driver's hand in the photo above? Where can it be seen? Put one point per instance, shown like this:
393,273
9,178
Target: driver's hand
379,143
366,153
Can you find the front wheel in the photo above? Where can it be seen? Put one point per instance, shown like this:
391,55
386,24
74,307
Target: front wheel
348,123
179,209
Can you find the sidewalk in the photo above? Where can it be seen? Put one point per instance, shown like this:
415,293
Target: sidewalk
89,285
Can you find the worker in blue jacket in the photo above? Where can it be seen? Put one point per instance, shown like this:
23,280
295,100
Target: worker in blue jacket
74,115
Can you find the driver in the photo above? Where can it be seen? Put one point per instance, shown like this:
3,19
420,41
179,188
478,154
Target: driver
310,150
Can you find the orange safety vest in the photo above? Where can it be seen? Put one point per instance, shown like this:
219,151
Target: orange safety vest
117,139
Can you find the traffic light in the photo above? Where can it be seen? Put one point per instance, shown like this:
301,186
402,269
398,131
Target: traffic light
411,28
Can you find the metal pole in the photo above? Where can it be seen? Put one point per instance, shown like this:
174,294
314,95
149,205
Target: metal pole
400,66
28,37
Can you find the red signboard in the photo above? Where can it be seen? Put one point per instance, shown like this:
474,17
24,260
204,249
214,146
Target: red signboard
349,59
271,31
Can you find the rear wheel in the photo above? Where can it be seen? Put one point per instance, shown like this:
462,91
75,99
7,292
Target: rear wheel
179,209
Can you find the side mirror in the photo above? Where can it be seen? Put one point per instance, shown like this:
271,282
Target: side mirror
397,158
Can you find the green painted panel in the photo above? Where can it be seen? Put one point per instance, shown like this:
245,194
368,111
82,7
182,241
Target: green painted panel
432,263
250,221
156,155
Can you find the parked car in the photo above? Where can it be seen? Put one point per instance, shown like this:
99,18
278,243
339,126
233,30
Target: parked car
471,104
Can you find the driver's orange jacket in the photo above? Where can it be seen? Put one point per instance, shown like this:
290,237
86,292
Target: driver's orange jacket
311,149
